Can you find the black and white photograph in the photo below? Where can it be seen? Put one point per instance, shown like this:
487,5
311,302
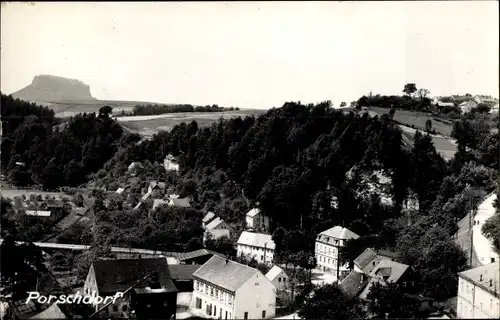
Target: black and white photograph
250,160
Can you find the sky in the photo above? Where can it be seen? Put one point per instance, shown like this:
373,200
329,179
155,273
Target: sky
253,54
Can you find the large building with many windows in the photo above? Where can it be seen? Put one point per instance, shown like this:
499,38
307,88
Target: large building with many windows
328,243
258,246
225,289
478,293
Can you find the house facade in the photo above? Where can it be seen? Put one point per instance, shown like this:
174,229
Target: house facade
327,247
225,289
256,220
259,246
478,293
278,277
467,106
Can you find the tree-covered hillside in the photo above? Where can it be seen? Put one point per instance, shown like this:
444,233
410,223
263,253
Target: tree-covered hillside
38,149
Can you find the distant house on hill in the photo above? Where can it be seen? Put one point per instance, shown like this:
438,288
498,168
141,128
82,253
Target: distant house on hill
217,228
38,213
180,202
207,218
169,163
467,106
256,220
134,167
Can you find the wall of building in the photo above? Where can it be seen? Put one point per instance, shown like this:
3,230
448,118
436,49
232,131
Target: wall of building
221,300
475,302
326,256
280,281
261,255
256,296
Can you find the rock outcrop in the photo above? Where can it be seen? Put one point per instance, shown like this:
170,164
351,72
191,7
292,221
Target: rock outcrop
53,88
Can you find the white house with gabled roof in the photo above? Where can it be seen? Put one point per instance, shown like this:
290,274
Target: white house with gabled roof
256,220
225,289
328,243
278,277
255,245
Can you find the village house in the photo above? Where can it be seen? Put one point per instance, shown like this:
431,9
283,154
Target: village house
256,220
259,246
38,213
180,202
278,277
467,106
217,228
367,260
157,189
169,163
146,284
198,257
207,218
134,167
359,283
226,289
328,243
478,293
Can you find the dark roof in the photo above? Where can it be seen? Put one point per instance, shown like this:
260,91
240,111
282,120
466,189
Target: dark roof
365,258
120,274
47,285
354,283
183,271
387,253
225,274
196,254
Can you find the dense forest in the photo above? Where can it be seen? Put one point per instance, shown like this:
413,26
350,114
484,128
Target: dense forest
37,149
152,109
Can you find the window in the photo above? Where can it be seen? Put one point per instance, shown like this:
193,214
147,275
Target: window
198,303
261,257
215,310
263,314
197,284
211,291
217,294
256,283
279,280
220,313
245,316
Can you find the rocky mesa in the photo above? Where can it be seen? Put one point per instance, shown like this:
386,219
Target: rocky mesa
53,88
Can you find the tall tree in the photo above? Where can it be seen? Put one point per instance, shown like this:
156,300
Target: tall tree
330,302
409,89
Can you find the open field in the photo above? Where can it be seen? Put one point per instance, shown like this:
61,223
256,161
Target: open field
444,145
12,193
146,126
417,119
70,108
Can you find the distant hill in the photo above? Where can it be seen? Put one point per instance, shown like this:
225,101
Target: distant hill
53,88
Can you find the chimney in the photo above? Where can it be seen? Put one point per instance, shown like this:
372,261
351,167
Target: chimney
227,260
481,277
491,282
155,281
